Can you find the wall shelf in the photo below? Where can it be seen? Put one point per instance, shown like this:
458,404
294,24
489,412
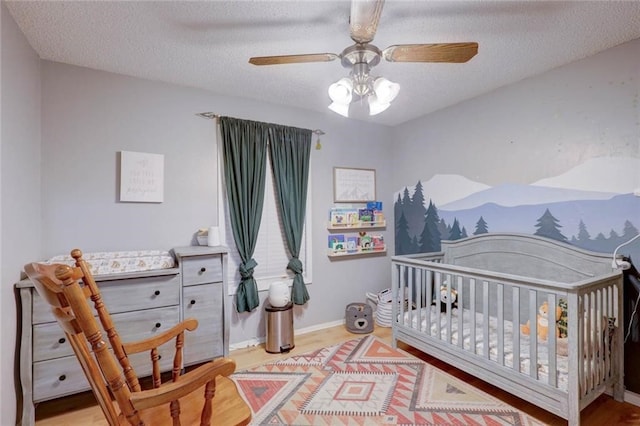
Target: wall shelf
350,255
357,226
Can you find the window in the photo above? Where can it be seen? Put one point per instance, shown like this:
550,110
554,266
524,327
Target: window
271,251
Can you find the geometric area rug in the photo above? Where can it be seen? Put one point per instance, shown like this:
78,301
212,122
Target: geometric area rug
367,382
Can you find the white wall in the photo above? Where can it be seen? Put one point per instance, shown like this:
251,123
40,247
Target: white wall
19,188
537,128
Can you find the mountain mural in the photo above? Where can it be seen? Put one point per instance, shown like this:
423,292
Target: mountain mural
591,216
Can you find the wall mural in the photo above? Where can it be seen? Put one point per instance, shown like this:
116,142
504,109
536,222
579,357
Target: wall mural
592,206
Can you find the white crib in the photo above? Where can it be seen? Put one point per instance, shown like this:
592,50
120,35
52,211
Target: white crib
501,280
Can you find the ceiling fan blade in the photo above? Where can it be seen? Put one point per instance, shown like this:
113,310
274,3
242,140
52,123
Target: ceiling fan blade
292,59
364,19
438,52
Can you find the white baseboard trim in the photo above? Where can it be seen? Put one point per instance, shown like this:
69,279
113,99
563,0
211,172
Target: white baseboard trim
297,332
632,398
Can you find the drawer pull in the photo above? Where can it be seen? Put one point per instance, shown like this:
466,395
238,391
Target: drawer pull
62,340
158,325
203,269
62,378
157,292
193,302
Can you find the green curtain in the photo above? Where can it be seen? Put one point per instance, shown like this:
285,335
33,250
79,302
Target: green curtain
289,150
244,151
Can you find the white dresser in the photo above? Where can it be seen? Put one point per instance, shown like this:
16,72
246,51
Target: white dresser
141,304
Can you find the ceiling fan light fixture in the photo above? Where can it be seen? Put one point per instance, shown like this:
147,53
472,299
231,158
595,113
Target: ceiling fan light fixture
341,91
385,90
375,106
340,108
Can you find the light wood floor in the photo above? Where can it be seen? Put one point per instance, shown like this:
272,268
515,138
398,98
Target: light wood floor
82,410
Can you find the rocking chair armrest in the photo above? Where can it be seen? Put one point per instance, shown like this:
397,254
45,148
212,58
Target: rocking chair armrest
187,383
189,324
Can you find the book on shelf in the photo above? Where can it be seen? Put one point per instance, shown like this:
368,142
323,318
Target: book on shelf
337,242
365,215
343,217
352,244
374,205
377,242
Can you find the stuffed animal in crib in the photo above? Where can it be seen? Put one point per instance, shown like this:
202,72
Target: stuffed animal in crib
447,302
543,322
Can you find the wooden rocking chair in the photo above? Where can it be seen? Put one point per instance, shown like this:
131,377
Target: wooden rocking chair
202,396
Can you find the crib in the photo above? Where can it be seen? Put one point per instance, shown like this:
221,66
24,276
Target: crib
499,281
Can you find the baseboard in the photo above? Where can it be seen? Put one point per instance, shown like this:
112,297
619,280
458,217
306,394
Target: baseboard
632,398
297,332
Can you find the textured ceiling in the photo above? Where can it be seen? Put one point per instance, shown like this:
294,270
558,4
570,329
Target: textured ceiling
207,44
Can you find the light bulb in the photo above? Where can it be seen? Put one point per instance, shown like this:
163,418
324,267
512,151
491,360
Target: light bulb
340,108
375,106
386,91
340,91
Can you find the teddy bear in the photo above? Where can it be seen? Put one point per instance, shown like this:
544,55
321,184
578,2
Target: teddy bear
447,302
543,322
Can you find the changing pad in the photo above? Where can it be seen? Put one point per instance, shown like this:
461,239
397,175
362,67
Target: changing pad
113,262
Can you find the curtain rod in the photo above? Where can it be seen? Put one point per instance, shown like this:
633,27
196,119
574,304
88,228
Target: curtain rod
212,115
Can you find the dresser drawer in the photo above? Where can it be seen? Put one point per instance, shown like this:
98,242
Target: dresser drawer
58,377
201,270
204,303
124,295
64,376
49,340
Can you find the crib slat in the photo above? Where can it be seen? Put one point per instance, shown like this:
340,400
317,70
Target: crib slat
428,301
551,340
472,326
587,337
516,327
460,290
597,373
500,328
438,307
418,301
486,339
608,313
409,297
448,328
533,333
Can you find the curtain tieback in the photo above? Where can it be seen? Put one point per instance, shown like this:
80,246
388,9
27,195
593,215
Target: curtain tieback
295,265
246,269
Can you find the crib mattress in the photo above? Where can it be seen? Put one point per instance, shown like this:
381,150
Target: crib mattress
492,340
102,263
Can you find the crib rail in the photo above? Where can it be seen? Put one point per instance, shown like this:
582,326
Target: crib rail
494,310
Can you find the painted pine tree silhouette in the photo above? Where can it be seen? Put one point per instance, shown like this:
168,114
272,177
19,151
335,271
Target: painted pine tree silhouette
583,234
430,236
549,227
415,211
481,227
455,233
403,240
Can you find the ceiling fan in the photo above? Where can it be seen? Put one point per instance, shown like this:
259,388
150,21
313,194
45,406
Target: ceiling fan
362,56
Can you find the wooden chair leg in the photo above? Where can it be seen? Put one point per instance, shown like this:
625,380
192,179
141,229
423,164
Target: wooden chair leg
174,407
209,392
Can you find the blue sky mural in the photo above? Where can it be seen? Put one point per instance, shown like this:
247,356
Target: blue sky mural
592,206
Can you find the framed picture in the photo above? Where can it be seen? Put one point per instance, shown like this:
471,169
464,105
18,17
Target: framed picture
141,177
353,185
